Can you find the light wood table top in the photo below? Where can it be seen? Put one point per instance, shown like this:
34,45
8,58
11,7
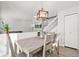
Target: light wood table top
31,44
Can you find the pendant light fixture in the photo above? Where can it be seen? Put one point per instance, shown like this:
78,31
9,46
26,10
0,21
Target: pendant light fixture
42,14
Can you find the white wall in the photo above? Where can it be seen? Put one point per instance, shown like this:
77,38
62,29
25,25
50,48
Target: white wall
0,17
61,28
21,14
55,6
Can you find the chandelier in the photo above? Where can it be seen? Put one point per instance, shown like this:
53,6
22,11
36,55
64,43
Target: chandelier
42,14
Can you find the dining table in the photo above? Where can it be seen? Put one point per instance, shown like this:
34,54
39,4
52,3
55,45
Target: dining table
31,45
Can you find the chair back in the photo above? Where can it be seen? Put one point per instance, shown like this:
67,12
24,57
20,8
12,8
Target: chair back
49,37
52,37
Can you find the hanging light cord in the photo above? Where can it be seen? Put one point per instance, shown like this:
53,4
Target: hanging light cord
42,4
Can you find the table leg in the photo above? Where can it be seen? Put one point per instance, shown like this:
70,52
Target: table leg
27,54
43,51
15,49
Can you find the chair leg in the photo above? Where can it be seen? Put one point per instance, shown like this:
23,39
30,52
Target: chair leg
50,51
20,51
57,49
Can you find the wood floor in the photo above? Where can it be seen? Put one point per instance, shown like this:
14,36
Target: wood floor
66,52
63,52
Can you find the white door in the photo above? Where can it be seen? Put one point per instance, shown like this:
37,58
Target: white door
71,30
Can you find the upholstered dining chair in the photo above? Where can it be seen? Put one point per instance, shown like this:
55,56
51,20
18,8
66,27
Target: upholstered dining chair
53,45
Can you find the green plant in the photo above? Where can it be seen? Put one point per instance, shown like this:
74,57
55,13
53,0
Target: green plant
5,27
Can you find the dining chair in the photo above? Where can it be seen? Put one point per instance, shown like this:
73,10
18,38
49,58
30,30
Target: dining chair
53,45
13,49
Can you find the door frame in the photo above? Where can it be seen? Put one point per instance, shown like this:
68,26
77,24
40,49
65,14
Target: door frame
61,19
